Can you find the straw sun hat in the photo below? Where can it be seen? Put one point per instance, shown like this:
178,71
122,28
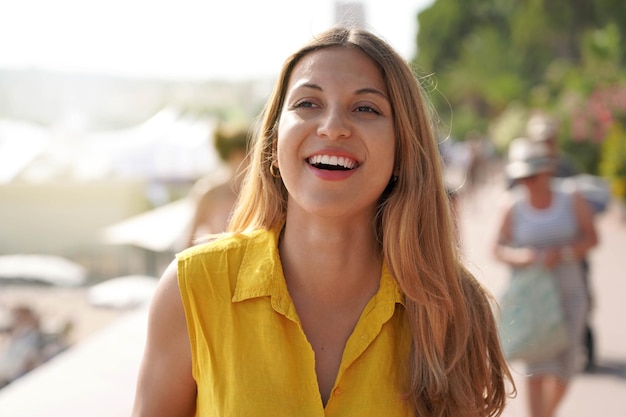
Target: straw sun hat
527,158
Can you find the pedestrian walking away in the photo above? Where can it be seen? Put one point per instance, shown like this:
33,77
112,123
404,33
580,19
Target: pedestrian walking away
546,224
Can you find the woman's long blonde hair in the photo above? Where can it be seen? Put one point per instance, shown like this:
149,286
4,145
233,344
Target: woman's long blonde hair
456,364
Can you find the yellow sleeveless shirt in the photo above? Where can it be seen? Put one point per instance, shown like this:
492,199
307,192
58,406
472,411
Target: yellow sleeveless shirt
250,356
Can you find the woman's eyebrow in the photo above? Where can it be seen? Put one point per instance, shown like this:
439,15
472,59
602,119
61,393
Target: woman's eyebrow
307,85
360,91
369,90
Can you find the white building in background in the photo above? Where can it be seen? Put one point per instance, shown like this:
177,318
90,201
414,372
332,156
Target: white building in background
20,144
60,190
167,147
350,13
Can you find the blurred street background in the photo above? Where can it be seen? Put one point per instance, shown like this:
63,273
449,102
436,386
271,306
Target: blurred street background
107,113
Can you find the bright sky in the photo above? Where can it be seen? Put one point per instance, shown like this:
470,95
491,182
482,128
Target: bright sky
227,39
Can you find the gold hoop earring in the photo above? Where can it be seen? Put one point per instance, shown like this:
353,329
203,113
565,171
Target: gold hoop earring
274,170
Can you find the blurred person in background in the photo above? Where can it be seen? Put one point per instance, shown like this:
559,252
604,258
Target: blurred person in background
544,129
339,290
24,351
215,195
544,222
480,155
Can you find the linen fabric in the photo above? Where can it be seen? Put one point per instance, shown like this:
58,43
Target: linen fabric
250,356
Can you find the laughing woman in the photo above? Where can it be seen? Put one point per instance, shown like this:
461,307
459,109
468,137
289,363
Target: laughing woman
338,290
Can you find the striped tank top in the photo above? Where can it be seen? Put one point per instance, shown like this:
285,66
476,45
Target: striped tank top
542,228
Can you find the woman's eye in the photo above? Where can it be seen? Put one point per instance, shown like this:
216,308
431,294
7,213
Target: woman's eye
367,109
304,104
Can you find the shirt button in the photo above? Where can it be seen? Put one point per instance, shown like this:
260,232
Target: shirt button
338,391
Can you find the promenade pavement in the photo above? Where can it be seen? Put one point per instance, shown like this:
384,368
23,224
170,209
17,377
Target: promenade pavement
593,394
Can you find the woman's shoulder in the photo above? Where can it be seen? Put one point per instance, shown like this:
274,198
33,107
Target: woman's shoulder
227,242
566,192
219,265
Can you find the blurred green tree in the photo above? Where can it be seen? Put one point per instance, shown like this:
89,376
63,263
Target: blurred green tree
484,57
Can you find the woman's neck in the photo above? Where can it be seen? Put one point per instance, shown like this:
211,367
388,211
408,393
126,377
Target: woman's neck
330,259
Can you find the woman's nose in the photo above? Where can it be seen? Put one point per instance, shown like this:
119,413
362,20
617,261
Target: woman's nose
334,124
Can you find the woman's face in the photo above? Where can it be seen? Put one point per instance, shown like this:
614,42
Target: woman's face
336,142
536,181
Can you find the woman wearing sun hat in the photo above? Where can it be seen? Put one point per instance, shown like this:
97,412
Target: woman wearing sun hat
543,222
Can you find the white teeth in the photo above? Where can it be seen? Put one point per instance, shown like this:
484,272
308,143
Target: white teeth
332,160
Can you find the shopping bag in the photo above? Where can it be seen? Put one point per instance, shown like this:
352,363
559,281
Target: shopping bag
532,326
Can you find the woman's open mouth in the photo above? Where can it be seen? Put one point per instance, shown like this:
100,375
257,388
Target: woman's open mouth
332,162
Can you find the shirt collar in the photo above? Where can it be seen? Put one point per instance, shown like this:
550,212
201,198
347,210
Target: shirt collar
260,273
